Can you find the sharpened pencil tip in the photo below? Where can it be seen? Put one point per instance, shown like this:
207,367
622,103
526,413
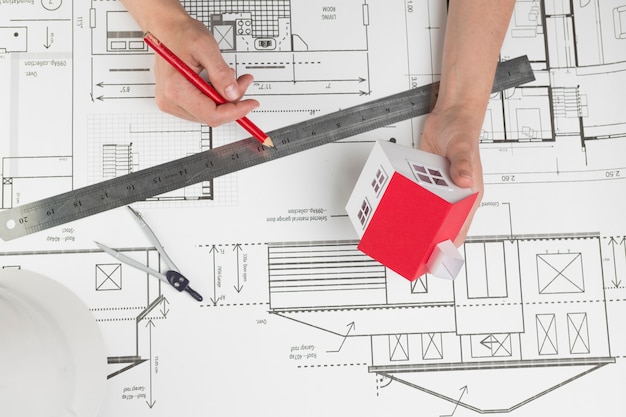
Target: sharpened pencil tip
268,142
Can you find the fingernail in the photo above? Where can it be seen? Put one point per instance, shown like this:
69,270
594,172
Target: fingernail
231,92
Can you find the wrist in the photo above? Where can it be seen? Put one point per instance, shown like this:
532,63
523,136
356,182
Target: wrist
465,88
168,25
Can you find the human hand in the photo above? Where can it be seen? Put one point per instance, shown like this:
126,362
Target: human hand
453,133
192,42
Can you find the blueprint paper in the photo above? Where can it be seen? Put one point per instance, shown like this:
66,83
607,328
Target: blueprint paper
296,321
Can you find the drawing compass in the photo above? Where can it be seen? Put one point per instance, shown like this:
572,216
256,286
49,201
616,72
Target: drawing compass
172,275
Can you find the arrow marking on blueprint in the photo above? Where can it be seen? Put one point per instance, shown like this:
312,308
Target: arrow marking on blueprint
238,249
214,298
351,327
615,281
456,405
150,325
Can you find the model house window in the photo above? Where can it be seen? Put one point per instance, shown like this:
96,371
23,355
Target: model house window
379,180
364,212
428,175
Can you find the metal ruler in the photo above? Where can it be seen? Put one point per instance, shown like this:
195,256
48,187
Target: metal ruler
204,166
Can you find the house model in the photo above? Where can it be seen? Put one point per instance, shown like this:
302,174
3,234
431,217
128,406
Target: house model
407,211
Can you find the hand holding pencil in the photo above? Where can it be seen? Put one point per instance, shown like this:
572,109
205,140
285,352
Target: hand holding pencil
215,111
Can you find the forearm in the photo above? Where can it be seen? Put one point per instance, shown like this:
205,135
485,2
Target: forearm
475,31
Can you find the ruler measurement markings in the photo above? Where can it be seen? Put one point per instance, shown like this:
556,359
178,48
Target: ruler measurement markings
210,164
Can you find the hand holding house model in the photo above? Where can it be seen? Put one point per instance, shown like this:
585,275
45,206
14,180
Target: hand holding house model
407,211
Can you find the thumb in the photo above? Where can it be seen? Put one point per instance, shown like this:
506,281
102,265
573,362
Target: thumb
221,76
461,172
466,171
462,166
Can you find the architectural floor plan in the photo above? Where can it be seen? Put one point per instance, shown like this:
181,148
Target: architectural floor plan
295,319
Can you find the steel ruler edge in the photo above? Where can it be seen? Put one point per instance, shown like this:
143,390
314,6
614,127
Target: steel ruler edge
207,165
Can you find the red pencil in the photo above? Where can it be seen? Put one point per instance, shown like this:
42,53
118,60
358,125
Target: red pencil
202,85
